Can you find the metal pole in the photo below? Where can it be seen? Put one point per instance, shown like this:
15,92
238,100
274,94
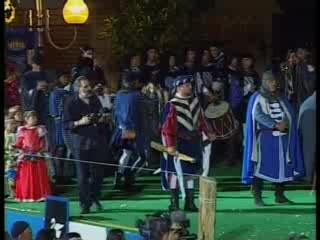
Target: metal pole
39,22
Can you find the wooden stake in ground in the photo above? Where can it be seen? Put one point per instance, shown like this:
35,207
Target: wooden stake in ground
207,209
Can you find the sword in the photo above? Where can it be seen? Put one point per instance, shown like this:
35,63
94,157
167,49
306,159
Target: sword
159,147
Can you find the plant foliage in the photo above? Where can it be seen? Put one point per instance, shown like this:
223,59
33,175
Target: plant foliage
164,24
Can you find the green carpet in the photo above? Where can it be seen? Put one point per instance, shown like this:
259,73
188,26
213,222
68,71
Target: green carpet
237,218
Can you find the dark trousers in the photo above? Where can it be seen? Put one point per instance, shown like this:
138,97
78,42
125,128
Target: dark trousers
89,175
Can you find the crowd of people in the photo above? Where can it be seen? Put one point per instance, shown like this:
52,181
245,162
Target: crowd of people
21,230
193,106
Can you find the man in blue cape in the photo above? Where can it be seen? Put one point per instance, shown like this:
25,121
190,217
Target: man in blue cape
272,150
127,136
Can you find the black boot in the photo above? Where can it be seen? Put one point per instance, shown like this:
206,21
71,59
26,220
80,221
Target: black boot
129,182
257,191
174,201
117,181
280,198
189,202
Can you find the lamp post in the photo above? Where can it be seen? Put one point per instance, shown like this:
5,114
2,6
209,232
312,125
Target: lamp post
75,12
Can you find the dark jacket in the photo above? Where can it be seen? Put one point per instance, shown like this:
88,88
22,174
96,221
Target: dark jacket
91,136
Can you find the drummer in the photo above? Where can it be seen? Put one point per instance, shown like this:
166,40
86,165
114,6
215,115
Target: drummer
222,121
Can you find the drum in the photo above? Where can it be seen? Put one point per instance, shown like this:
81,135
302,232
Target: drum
221,120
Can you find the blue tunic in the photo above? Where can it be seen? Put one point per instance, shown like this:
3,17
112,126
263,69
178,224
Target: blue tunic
57,98
127,117
269,154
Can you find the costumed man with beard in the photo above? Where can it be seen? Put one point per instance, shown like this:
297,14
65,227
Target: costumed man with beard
305,77
182,128
272,150
82,115
128,135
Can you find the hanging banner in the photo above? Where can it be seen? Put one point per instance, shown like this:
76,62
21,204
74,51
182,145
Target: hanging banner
18,41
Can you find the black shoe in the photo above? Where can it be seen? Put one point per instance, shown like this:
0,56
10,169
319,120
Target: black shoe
98,206
174,206
259,202
129,183
189,202
85,210
281,199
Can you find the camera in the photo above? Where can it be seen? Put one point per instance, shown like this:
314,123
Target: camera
95,117
156,225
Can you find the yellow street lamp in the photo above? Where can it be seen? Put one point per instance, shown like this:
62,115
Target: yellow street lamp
75,12
9,11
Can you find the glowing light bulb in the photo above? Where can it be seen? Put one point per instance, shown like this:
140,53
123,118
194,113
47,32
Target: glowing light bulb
75,12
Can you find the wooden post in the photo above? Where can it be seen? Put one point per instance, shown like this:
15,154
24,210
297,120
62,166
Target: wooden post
207,209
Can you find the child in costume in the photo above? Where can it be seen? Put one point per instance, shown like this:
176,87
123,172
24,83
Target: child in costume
15,112
10,154
32,181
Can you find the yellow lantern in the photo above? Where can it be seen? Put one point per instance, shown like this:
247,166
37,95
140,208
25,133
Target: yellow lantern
9,11
75,12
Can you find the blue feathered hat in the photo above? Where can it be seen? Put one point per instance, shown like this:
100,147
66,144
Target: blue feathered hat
182,79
